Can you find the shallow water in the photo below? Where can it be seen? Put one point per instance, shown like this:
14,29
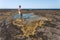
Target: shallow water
25,16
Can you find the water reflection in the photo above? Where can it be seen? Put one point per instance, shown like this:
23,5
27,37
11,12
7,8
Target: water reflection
25,16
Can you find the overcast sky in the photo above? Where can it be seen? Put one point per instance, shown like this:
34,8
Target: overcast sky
30,3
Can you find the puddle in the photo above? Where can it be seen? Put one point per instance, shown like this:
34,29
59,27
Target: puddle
25,16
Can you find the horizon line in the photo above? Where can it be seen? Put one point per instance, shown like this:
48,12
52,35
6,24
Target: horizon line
30,8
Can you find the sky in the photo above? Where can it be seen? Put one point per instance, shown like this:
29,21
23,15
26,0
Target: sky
40,4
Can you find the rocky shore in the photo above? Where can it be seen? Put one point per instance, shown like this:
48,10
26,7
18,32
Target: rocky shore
51,31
